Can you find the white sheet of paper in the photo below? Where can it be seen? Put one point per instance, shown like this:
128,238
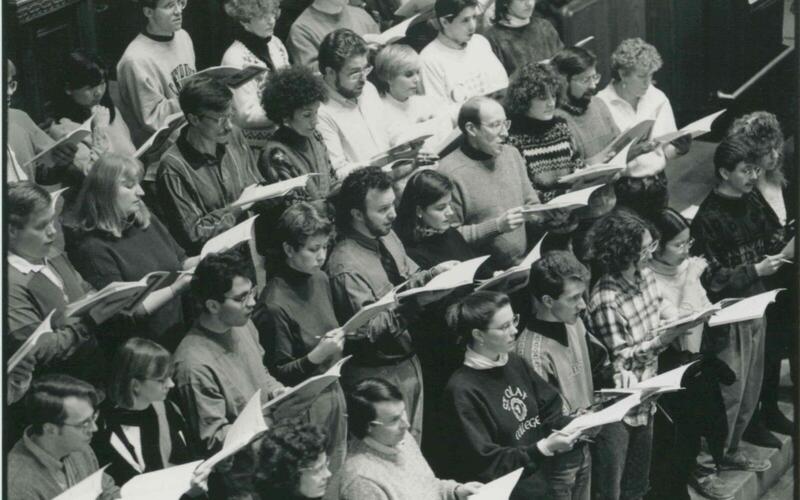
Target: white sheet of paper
690,211
249,424
312,383
696,128
165,484
534,254
230,238
44,327
746,309
257,192
609,415
369,311
500,488
583,42
667,381
88,489
395,32
150,140
461,274
572,199
55,195
75,137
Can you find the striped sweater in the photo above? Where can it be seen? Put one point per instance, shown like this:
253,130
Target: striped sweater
549,152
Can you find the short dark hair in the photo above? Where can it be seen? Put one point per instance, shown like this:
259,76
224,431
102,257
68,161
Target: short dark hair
289,89
297,223
423,189
571,61
452,8
532,81
669,223
361,403
203,93
282,454
470,112
337,47
25,199
214,275
550,273
44,403
475,311
353,192
615,240
734,149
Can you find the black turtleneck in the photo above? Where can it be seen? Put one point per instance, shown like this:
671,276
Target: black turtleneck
474,153
255,44
158,38
521,124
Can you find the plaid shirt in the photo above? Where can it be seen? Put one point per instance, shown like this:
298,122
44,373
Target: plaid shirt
624,316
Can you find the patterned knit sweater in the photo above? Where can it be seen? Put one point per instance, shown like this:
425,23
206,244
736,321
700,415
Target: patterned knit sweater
549,152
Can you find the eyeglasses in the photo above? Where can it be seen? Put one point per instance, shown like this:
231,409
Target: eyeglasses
176,5
591,79
219,120
359,73
245,297
514,323
498,125
649,249
686,244
87,424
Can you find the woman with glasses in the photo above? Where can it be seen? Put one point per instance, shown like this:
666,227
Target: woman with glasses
112,236
291,463
543,139
291,98
296,321
139,430
85,95
678,274
254,45
519,37
504,415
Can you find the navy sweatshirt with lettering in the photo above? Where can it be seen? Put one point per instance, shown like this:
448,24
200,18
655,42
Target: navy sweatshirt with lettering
498,415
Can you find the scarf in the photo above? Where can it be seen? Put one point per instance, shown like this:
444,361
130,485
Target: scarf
480,362
257,45
514,22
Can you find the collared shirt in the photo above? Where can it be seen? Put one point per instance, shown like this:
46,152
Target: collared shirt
624,316
354,130
25,267
34,474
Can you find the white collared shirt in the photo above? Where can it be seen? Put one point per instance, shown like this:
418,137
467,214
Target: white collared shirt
653,105
25,267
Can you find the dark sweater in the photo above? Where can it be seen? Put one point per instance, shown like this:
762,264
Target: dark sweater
294,309
498,415
549,152
533,42
734,234
288,155
102,258
438,248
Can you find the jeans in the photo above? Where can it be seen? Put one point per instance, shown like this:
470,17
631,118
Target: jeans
569,475
621,461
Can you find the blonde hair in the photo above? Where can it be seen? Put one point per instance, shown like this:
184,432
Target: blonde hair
96,207
634,54
391,61
246,10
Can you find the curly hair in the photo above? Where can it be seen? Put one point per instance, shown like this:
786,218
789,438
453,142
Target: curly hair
634,54
214,275
532,81
763,135
289,89
615,241
353,193
245,10
282,454
550,273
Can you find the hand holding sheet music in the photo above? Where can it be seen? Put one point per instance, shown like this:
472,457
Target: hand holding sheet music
669,381
461,274
49,157
230,238
260,192
299,397
567,201
609,415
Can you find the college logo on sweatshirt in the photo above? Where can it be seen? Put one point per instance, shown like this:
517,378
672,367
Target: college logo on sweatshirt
179,73
512,401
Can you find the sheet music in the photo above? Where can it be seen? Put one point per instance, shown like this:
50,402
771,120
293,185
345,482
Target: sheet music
609,415
500,488
230,238
746,309
249,424
44,327
462,274
165,484
89,488
258,192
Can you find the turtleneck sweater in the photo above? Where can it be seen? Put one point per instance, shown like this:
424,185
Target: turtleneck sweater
517,45
485,187
592,128
549,152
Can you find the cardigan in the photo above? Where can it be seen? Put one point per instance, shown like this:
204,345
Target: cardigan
32,471
484,188
102,258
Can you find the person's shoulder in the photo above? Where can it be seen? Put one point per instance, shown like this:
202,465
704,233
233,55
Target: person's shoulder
454,162
235,54
540,23
17,116
656,95
183,36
